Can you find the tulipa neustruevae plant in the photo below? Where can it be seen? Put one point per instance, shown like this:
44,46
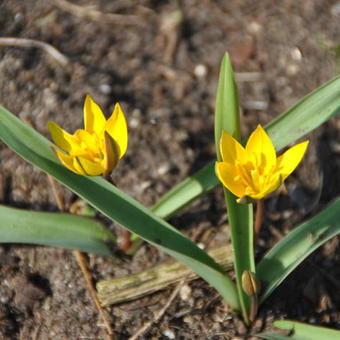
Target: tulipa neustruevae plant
248,171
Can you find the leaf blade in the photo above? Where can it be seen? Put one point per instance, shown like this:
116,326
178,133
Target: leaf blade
240,216
313,110
36,149
54,229
300,330
288,253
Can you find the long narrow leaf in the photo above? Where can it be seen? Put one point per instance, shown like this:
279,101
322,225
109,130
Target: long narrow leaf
288,253
301,331
309,113
36,149
54,229
240,216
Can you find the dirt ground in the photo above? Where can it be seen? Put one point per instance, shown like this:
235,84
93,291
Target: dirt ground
160,60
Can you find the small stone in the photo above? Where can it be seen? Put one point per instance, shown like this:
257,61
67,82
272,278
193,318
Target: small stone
188,319
201,245
169,334
200,71
134,122
296,54
105,88
163,169
185,292
292,69
335,9
286,214
242,51
254,27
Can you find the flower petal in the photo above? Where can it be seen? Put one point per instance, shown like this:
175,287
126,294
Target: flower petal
62,138
273,185
90,168
261,147
66,160
94,119
287,162
110,154
89,143
227,173
231,150
117,129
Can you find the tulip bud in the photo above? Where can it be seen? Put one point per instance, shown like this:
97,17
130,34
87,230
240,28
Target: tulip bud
250,284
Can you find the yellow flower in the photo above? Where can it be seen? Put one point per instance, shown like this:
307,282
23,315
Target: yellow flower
97,149
255,171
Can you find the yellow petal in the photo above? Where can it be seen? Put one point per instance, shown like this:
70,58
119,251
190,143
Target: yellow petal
88,140
261,147
94,119
117,129
66,160
110,154
62,138
273,185
231,150
287,162
227,173
90,168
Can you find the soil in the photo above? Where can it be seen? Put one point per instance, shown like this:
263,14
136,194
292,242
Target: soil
163,69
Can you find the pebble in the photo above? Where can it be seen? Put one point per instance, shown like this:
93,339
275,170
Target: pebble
201,245
163,169
105,88
185,293
292,69
335,9
200,71
169,334
296,54
134,122
254,27
188,319
242,51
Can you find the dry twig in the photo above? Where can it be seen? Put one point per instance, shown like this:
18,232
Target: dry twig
159,314
82,264
92,14
149,281
31,43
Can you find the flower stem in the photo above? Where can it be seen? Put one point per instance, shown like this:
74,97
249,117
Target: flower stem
125,242
258,218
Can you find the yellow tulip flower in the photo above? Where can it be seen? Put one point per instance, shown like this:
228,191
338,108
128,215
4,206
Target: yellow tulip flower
254,171
97,149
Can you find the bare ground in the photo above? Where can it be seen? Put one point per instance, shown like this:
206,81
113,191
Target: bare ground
163,68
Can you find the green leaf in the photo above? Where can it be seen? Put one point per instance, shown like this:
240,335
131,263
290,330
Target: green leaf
55,229
240,216
118,206
309,113
187,191
288,253
301,331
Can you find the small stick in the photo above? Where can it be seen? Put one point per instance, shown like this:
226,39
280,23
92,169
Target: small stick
21,42
90,285
86,13
57,196
125,242
134,286
82,264
159,314
258,218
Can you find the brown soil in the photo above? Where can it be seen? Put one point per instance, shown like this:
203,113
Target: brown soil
164,73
